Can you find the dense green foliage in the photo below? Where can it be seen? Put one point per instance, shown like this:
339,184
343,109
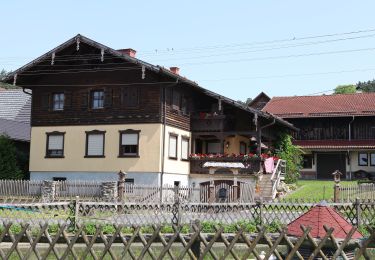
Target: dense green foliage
291,154
3,73
368,86
9,168
345,89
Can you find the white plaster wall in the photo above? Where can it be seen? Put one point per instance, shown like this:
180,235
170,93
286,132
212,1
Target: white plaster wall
170,178
176,166
354,162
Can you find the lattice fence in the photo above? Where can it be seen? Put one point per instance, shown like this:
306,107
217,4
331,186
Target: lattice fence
119,242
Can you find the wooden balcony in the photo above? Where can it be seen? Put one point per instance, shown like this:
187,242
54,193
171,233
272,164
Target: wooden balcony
252,166
206,122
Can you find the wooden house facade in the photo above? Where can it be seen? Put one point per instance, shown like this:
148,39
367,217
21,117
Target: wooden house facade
96,111
337,132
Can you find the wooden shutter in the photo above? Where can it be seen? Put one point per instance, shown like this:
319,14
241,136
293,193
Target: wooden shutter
68,99
108,98
84,99
45,101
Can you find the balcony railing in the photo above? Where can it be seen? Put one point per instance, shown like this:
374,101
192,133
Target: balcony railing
252,165
207,122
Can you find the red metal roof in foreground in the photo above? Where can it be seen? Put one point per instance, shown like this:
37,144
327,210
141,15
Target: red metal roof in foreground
362,104
316,218
335,144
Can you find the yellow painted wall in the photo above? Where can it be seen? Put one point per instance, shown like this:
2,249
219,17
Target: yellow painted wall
234,144
75,145
171,165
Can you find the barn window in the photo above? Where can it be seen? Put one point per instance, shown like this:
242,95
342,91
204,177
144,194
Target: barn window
58,101
97,99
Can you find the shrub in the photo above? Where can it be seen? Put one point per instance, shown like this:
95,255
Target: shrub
108,229
292,155
90,228
53,228
9,168
15,228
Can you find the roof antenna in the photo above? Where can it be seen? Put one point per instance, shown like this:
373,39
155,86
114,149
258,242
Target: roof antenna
78,42
53,58
143,72
102,53
14,79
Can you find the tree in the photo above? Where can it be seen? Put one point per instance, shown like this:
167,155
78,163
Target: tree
3,73
345,89
9,168
368,86
291,154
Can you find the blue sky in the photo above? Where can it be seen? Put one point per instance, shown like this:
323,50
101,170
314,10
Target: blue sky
219,44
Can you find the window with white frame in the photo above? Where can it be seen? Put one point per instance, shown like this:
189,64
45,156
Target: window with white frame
172,152
58,101
184,148
55,144
129,143
95,143
97,99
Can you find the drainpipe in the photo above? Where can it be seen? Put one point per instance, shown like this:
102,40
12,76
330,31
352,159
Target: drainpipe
350,138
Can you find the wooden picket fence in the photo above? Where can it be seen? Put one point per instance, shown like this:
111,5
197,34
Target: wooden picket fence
41,242
350,192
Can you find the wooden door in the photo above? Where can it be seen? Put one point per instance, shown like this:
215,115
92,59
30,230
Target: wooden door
327,163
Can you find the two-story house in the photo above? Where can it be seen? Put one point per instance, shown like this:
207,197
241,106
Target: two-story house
337,132
96,111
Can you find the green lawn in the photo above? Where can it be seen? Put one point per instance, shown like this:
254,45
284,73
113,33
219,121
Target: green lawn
314,190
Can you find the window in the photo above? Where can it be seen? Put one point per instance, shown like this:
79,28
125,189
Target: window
242,148
130,97
362,159
58,101
184,148
307,161
95,143
59,178
214,147
173,146
372,159
129,143
97,99
55,145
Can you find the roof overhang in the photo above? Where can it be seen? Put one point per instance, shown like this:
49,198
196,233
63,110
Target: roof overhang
158,69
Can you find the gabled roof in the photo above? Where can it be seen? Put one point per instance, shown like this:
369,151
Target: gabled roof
19,131
337,105
255,102
157,69
15,108
15,105
319,216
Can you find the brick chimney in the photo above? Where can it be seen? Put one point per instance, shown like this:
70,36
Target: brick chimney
130,52
175,70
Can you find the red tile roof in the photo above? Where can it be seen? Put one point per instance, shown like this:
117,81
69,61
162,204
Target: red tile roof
335,144
322,106
316,218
